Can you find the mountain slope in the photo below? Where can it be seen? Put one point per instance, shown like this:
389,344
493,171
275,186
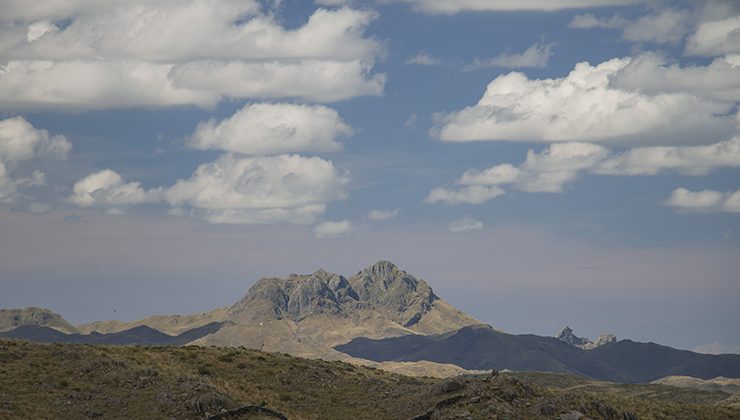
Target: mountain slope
485,348
77,381
649,361
482,347
13,318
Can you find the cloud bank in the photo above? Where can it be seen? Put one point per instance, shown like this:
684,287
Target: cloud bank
173,53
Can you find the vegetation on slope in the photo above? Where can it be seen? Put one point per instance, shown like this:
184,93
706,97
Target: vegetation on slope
83,381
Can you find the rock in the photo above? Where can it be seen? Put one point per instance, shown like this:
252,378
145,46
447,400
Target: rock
567,336
449,385
603,339
382,287
546,408
449,401
573,415
465,415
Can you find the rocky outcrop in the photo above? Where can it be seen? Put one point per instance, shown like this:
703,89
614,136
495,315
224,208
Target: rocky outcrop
567,336
384,287
603,339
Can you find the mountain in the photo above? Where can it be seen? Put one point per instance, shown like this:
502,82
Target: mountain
306,315
482,347
381,316
479,347
649,361
303,315
13,318
69,381
141,335
567,336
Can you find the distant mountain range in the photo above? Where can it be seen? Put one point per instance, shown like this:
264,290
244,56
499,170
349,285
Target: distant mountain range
481,347
381,315
141,335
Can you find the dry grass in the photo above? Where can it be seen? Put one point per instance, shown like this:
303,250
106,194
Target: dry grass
78,381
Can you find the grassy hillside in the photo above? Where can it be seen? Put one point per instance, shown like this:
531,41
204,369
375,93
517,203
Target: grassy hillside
82,381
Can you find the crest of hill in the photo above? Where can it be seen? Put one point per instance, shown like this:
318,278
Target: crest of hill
169,324
14,318
720,383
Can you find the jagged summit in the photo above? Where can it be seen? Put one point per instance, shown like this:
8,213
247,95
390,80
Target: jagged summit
567,336
382,287
380,270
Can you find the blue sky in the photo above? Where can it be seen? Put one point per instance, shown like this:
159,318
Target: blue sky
188,148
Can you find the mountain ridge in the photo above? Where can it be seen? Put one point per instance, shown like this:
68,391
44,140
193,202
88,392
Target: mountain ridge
381,316
483,348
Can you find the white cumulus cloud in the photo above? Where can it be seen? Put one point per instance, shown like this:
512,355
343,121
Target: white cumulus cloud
704,201
449,7
21,142
273,129
718,30
551,169
333,230
264,189
585,106
108,189
547,171
474,194
465,225
688,160
652,74
159,53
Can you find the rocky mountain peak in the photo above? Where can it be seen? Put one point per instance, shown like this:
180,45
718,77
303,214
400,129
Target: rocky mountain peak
382,287
567,336
380,270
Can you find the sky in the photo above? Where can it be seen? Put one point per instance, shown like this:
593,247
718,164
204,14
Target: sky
540,163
